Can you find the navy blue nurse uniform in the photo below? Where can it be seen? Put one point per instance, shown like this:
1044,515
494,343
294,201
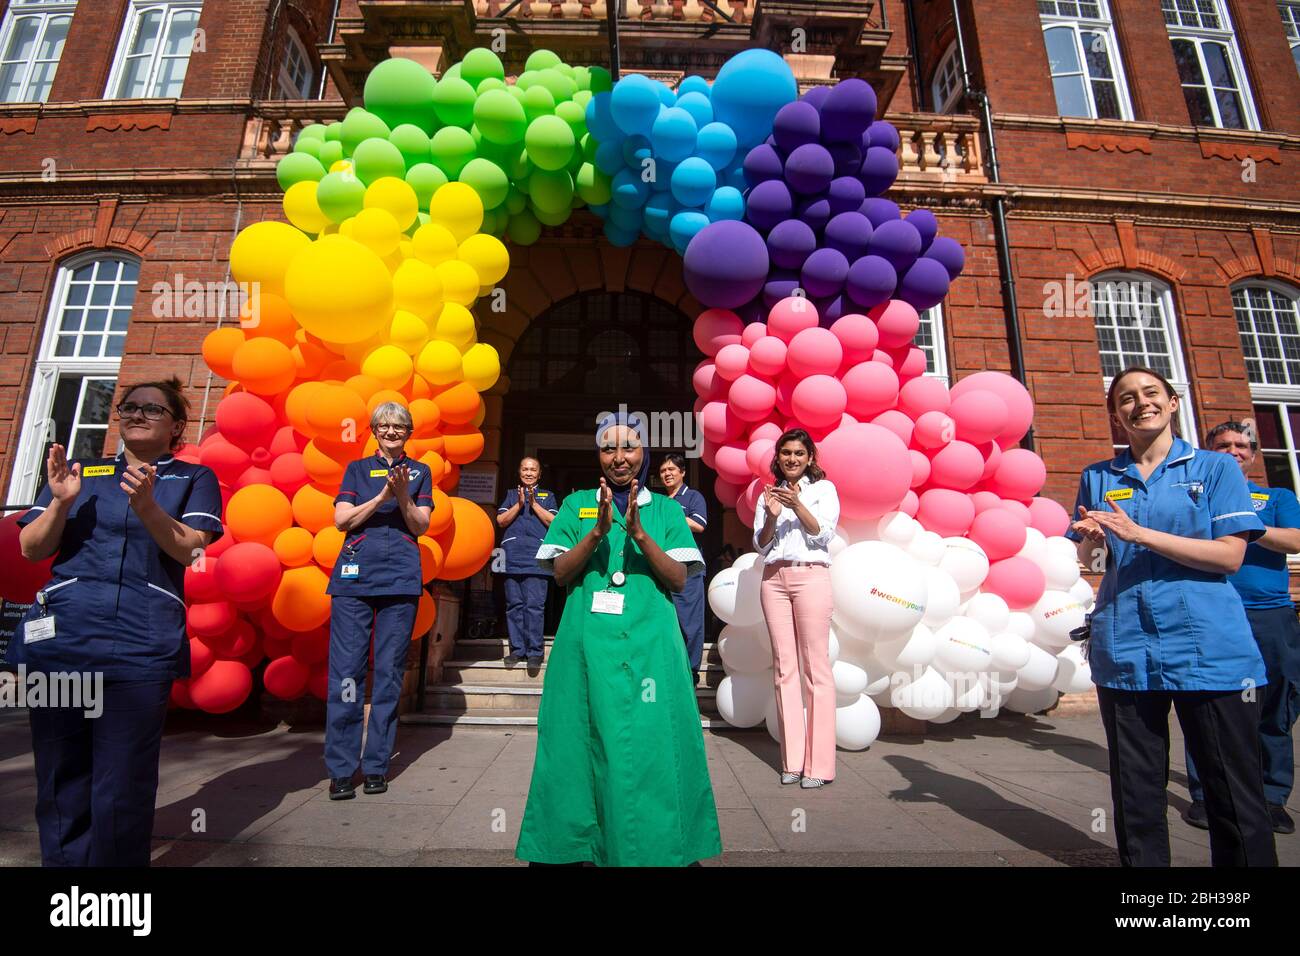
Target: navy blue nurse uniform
375,587
118,606
689,601
525,582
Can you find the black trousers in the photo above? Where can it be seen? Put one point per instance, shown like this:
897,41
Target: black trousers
1221,730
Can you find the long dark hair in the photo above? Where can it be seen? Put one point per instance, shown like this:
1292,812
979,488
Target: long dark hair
813,472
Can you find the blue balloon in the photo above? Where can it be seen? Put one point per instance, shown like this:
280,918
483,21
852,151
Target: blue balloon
634,103
735,177
666,96
659,209
636,149
698,105
684,226
609,156
628,190
663,176
673,135
693,182
751,87
601,210
725,203
620,237
692,84
600,121
626,217
716,144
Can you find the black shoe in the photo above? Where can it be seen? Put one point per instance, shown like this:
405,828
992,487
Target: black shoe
512,659
1195,816
341,788
534,666
1281,820
375,783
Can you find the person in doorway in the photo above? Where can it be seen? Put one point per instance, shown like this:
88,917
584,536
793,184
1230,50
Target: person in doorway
690,600
524,516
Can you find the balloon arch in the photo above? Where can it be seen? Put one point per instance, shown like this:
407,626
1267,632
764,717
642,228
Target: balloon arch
954,590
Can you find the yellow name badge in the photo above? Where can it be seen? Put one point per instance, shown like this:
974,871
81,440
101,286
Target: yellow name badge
588,512
98,471
1258,497
1119,494
379,473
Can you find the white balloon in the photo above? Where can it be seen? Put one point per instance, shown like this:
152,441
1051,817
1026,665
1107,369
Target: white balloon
747,560
1024,701
733,595
1055,615
947,717
990,610
916,649
970,695
745,650
1022,625
965,561
833,647
1006,686
943,598
1073,675
877,589
927,547
837,543
852,649
859,529
1060,570
1010,652
897,529
743,699
928,696
964,647
858,725
843,700
850,679
1082,592
1039,671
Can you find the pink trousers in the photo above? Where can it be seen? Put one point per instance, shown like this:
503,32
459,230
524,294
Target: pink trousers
797,605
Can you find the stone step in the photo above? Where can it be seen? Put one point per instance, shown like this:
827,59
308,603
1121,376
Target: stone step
514,718
495,649
518,698
456,672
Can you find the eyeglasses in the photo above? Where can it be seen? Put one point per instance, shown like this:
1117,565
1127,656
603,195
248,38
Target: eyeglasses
391,429
150,411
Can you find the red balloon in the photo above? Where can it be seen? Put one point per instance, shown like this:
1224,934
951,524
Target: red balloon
227,460
286,678
201,658
21,578
224,687
288,473
201,581
234,643
286,440
247,421
223,544
274,647
318,683
210,620
249,573
252,475
180,695
312,647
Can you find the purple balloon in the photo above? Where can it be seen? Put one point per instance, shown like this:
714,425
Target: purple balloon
809,169
830,308
898,242
726,264
790,243
814,211
848,158
769,203
752,311
824,272
846,194
925,224
761,164
871,281
924,285
796,124
880,211
848,111
949,253
817,96
883,134
780,285
849,233
879,170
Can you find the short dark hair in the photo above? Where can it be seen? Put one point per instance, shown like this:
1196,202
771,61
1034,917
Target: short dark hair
173,395
1232,426
814,473
675,459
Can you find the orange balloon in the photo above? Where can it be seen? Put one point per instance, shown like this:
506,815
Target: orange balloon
300,602
441,517
418,387
418,447
219,349
336,411
459,403
313,509
321,468
431,558
258,513
293,546
451,479
426,614
463,445
297,402
337,370
467,544
268,316
364,385
326,547
426,416
385,395
437,465
309,356
265,366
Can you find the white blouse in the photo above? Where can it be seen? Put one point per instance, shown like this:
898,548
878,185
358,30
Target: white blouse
790,540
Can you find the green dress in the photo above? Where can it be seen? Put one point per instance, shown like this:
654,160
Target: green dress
620,777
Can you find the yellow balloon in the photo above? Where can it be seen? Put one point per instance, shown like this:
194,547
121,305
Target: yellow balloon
479,416
434,244
408,332
459,281
417,288
302,209
396,198
390,365
263,253
455,325
482,366
341,166
488,256
338,289
440,363
458,207
377,229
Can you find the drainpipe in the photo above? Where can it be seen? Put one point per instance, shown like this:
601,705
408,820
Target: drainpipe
329,38
914,44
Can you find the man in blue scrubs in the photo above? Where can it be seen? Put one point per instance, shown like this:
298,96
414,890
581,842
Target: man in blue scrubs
1263,583
526,513
690,600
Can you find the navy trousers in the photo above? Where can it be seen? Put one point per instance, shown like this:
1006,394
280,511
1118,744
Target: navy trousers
690,615
97,777
352,621
1277,632
526,614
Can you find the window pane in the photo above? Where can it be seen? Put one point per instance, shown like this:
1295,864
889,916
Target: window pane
1062,50
115,345
1071,100
180,35
121,319
11,82
1269,425
101,294
96,320
134,78
1216,61
90,346
1189,65
1097,53
1278,469
98,401
1107,99
146,35
52,43
77,292
171,78
1230,109
89,443
23,39
38,87
1198,106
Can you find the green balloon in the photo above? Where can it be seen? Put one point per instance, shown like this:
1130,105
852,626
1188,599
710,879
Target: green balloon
582,98
453,101
308,147
312,131
561,87
550,190
425,179
400,91
588,146
582,76
340,195
500,117
412,143
516,200
331,152
521,168
524,229
452,71
489,84
451,148
489,221
528,79
564,69
593,185
549,142
360,125
481,64
503,154
298,168
516,92
575,116
376,158
541,60
601,81
488,180
548,218
575,163
538,101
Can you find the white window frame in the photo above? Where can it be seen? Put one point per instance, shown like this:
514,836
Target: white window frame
1226,36
1104,27
288,90
46,11
948,66
49,369
1290,11
934,317
134,15
1270,394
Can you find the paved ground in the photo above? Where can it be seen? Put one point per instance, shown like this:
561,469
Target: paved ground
1013,791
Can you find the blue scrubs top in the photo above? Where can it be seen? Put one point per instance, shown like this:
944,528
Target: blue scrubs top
694,508
384,550
1158,624
117,599
1263,581
523,536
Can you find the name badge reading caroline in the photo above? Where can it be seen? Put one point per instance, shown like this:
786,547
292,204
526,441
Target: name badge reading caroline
378,472
588,512
1119,494
1258,497
607,602
350,572
38,629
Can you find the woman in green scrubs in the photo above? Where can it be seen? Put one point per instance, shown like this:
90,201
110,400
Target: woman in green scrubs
620,777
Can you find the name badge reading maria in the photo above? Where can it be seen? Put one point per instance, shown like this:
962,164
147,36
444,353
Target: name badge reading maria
588,512
97,471
1119,494
38,629
607,602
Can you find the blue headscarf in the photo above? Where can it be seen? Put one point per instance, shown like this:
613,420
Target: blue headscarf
637,424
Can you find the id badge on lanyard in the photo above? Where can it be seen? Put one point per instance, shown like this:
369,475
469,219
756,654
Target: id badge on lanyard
41,628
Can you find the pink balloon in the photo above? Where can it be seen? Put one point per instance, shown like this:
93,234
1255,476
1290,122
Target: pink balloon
791,316
897,322
815,432
923,395
1048,517
858,336
748,502
752,333
732,361
992,458
784,391
1021,512
871,388
934,430
984,500
866,491
758,456
814,352
731,464
980,416
719,423
768,430
704,378
947,513
883,357
896,422
819,401
767,356
911,366
1018,581
752,399
920,468
1021,474
910,504
709,453
1020,407
728,492
1000,533
956,465
698,407
715,328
